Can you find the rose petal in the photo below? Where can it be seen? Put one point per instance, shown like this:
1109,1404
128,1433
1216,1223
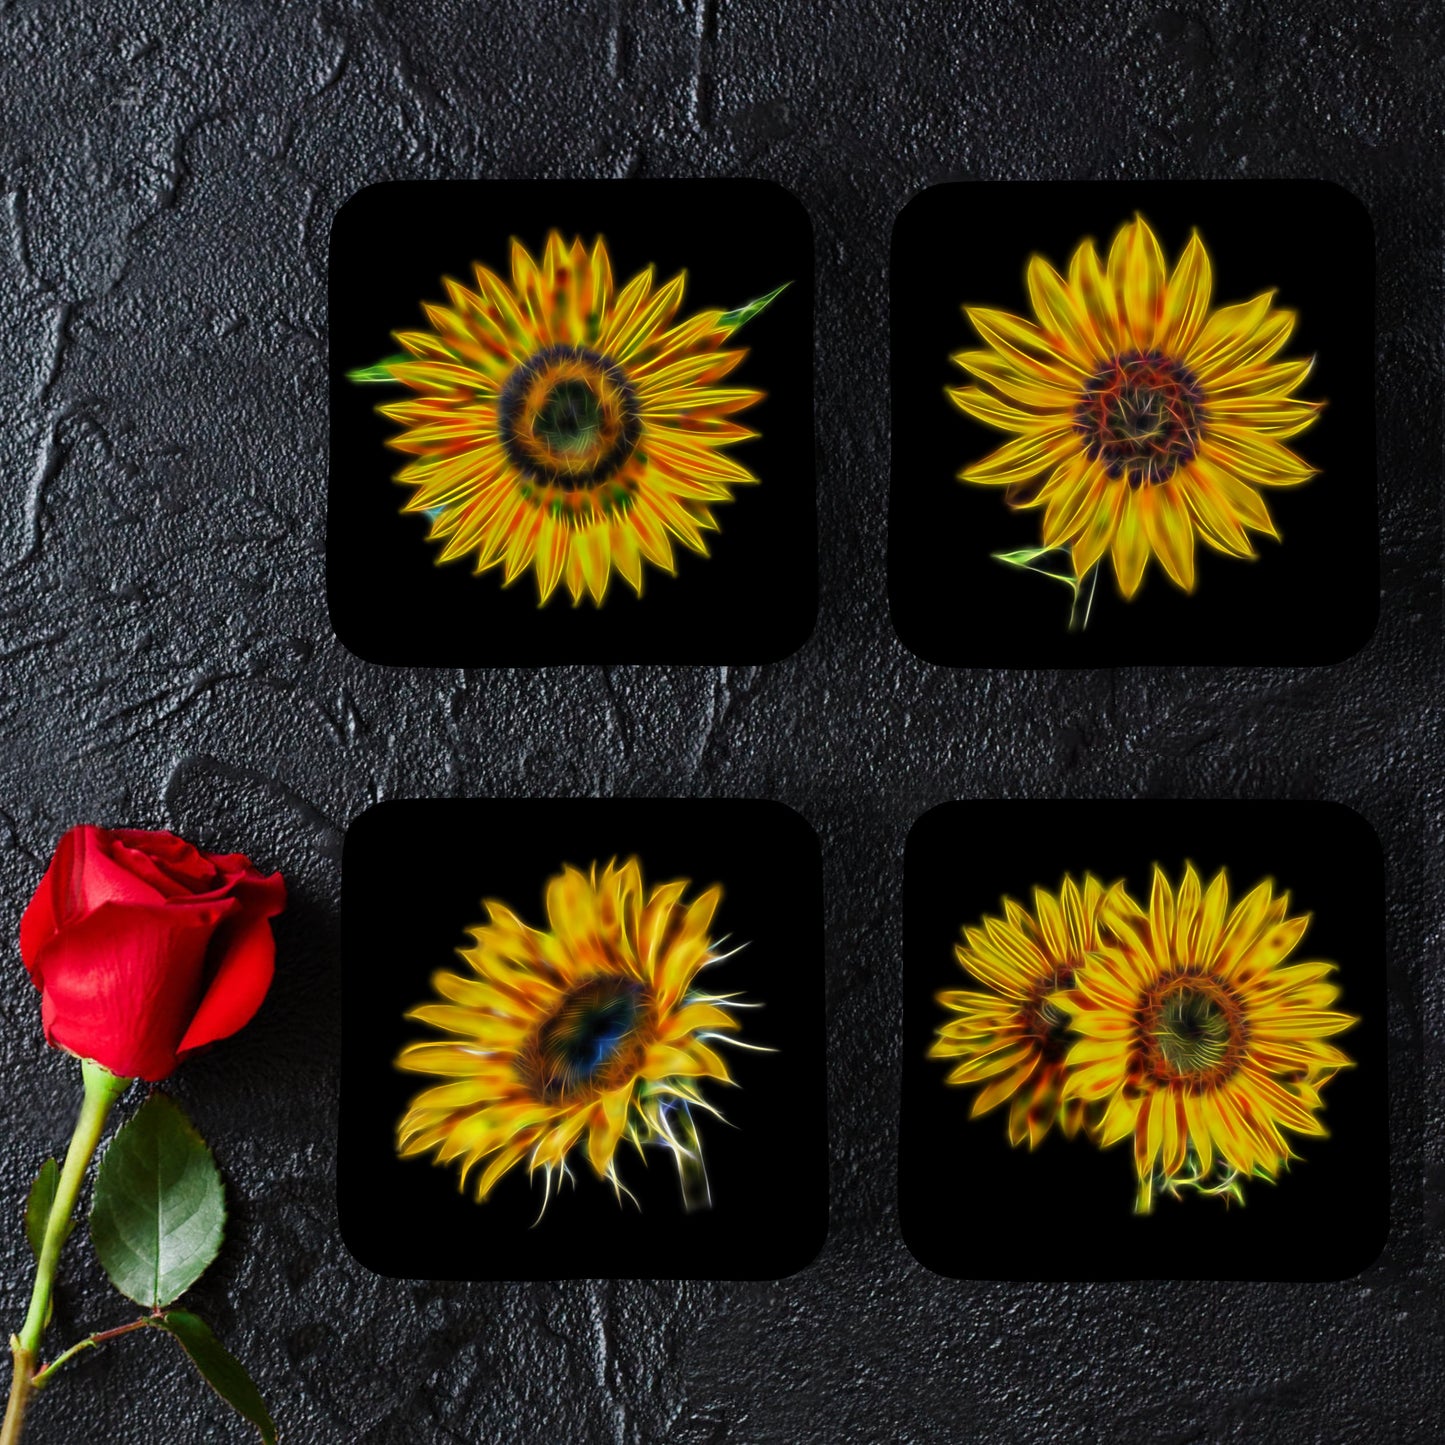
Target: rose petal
242,957
38,924
93,875
240,879
122,983
81,877
149,870
186,868
264,893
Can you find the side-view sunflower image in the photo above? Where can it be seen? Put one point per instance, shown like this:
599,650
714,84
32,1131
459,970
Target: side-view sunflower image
574,1038
566,426
1012,1036
1143,418
1199,1038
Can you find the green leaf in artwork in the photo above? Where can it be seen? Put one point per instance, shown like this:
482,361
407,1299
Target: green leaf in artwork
380,372
1026,557
160,1208
731,320
39,1205
220,1369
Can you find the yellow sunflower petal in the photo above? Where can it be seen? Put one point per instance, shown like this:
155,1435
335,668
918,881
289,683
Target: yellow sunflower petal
1129,549
1120,1117
1099,300
986,1065
1237,498
1098,530
1170,531
1186,301
1258,459
1024,346
1277,380
1017,461
983,406
1136,273
995,1092
1065,322
1270,416
1213,517
1056,396
1073,500
609,1118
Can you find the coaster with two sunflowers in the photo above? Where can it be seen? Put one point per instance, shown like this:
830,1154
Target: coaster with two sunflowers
1143,1040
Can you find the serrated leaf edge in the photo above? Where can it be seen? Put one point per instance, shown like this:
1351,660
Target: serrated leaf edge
155,1302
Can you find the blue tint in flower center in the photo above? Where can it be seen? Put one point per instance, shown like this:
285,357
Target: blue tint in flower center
586,1034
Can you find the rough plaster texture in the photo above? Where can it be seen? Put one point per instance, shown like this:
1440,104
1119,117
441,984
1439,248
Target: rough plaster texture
168,171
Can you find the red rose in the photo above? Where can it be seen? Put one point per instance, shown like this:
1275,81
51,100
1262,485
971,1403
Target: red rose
146,949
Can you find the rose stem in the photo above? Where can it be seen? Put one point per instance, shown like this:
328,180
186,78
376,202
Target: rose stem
44,1377
102,1089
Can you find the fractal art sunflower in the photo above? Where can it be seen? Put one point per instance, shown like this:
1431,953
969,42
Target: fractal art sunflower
1184,1027
1014,1035
1202,1042
1143,418
566,426
576,1037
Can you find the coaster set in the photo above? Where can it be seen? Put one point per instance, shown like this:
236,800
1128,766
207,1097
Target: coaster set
1132,424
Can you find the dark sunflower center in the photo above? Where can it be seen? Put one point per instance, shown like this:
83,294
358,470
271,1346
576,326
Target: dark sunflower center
1049,1024
1141,414
587,1034
569,418
1192,1032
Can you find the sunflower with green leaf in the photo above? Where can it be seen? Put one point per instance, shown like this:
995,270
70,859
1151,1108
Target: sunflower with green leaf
1143,418
566,426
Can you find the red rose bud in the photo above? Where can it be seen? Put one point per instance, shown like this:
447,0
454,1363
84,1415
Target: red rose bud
146,949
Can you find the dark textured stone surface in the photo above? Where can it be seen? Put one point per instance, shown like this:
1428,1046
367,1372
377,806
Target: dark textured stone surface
168,172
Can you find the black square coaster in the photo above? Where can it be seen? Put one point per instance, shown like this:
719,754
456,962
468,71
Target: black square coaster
597,392
1109,443
626,1059
1182,1077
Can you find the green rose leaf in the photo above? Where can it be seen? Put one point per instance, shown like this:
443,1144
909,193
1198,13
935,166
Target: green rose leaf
39,1205
220,1369
159,1209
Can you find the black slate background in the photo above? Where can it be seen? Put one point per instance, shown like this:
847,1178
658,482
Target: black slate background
167,175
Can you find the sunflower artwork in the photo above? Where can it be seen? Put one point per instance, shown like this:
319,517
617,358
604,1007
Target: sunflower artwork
1143,419
1184,1026
563,425
574,1039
